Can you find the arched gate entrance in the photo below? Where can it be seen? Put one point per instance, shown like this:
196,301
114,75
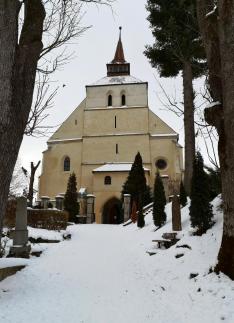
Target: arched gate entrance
112,211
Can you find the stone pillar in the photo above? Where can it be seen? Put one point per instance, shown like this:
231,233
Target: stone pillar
176,215
59,202
20,247
127,202
90,208
45,201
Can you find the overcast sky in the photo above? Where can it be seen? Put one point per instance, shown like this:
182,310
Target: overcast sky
93,50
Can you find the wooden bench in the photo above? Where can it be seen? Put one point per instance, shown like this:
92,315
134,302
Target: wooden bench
167,243
164,242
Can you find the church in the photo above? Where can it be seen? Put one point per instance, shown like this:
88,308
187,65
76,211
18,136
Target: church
99,141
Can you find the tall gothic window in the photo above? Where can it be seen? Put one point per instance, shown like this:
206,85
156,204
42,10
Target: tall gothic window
107,180
123,99
109,100
66,164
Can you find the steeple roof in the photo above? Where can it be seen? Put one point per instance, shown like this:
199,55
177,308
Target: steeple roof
119,53
118,66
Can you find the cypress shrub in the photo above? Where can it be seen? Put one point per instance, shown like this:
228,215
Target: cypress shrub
200,209
159,214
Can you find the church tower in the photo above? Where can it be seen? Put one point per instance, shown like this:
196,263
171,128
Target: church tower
101,138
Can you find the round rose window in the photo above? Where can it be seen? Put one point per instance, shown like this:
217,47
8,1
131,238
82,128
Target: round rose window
161,164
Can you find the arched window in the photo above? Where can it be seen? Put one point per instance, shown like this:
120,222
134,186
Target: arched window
107,180
66,164
109,100
123,99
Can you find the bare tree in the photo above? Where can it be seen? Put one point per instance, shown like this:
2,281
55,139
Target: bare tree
19,184
207,133
216,20
31,183
24,26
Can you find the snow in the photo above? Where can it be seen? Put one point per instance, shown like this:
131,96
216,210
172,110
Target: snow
164,135
12,262
104,275
46,234
54,141
212,12
116,168
123,79
213,104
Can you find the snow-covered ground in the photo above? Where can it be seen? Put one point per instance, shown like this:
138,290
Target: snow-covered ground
104,275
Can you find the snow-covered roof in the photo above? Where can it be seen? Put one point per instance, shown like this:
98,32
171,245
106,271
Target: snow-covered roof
122,167
122,79
160,135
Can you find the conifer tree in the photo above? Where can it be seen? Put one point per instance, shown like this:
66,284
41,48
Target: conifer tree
183,195
136,182
200,210
70,199
159,214
178,48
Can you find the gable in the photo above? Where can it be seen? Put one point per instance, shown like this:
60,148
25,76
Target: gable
158,126
72,127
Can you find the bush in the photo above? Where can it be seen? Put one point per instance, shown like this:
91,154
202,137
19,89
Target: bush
47,219
70,199
159,214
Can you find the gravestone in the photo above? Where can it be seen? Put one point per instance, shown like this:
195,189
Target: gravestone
176,215
126,206
59,202
20,246
90,208
44,201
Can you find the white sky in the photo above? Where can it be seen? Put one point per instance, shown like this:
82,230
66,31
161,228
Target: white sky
93,50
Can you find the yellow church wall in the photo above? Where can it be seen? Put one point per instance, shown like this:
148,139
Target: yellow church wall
97,96
128,146
158,126
126,120
53,179
72,127
163,148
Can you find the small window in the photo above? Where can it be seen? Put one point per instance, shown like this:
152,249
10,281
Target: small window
123,99
66,164
107,180
75,122
116,149
161,164
115,122
109,100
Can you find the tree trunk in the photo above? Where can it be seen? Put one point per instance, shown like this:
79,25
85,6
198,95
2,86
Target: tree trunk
218,39
31,183
18,63
189,133
226,39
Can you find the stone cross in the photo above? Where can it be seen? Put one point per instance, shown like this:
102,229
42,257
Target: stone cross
20,246
126,206
176,215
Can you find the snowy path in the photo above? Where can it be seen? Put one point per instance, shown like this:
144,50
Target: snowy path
103,275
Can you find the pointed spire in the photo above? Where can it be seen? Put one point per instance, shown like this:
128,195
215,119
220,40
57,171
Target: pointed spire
119,53
118,66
